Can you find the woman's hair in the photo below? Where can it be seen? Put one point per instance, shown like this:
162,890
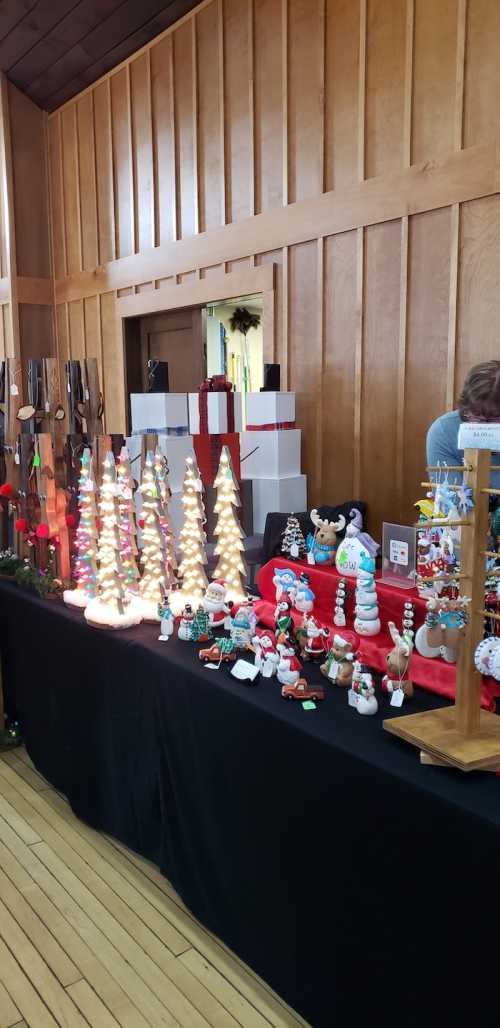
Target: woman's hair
480,396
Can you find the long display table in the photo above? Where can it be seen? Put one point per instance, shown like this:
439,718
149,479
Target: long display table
360,885
433,675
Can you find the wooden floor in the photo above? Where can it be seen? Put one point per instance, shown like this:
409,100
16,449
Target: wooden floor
91,934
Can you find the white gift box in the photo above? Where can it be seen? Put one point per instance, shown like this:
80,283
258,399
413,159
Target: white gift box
176,449
158,412
270,454
216,411
270,408
281,495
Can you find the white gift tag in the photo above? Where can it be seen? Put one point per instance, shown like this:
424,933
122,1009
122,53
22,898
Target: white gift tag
244,670
17,458
68,387
87,394
294,550
334,667
310,558
267,670
397,698
14,391
352,698
213,667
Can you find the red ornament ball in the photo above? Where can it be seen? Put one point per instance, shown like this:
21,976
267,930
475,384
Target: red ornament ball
141,522
20,524
6,489
70,520
42,531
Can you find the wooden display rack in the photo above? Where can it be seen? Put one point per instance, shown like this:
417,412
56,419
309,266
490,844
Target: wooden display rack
463,736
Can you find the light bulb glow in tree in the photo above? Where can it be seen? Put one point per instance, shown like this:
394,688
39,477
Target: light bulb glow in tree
165,495
231,566
111,608
153,585
192,537
126,523
85,569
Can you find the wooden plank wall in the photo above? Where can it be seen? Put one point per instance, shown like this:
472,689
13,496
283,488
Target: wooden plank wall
387,289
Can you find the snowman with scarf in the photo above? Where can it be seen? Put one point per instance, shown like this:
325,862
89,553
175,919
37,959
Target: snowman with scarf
289,667
267,657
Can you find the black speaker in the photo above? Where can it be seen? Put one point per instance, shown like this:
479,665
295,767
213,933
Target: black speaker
158,376
271,378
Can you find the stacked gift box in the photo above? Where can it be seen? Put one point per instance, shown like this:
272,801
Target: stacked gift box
270,456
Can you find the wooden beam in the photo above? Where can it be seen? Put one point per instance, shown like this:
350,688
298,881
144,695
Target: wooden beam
35,290
464,175
200,291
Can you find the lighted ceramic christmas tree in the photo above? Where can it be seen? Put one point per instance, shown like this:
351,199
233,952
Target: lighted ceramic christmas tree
165,495
153,584
85,570
111,608
293,544
231,566
126,524
192,538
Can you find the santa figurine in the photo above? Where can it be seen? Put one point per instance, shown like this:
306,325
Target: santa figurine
316,640
266,654
214,602
289,667
185,623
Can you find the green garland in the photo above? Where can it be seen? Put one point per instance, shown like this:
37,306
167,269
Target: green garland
31,578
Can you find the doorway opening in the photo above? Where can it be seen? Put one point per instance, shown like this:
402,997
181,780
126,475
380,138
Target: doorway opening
220,338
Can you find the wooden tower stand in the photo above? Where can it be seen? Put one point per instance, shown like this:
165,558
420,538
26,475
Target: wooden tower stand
463,736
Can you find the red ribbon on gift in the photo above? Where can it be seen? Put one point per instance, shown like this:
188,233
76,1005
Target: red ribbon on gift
215,384
272,426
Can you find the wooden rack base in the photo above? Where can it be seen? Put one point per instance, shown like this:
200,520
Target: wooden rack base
436,736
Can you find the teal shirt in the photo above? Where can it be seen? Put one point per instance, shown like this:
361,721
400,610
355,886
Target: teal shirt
442,446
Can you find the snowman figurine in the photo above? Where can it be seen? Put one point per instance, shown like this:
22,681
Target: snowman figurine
166,620
304,596
289,667
266,654
362,692
185,623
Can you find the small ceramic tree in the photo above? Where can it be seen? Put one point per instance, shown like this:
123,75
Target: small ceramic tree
231,566
126,524
85,570
192,538
293,543
153,584
111,608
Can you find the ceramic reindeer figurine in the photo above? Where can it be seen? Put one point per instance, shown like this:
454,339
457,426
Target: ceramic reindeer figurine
323,544
398,664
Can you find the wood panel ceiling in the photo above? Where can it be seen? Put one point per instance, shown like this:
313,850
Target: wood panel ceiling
52,49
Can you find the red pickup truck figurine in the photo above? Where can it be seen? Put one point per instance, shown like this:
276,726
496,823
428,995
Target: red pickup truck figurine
301,690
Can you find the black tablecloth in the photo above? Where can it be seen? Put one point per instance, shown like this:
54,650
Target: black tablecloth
360,885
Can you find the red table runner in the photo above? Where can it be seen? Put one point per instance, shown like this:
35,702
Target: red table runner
434,675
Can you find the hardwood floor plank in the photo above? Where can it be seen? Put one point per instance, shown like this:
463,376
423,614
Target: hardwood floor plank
91,1006
17,823
9,1014
27,773
246,1014
40,975
161,995
23,994
127,1013
112,923
45,943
